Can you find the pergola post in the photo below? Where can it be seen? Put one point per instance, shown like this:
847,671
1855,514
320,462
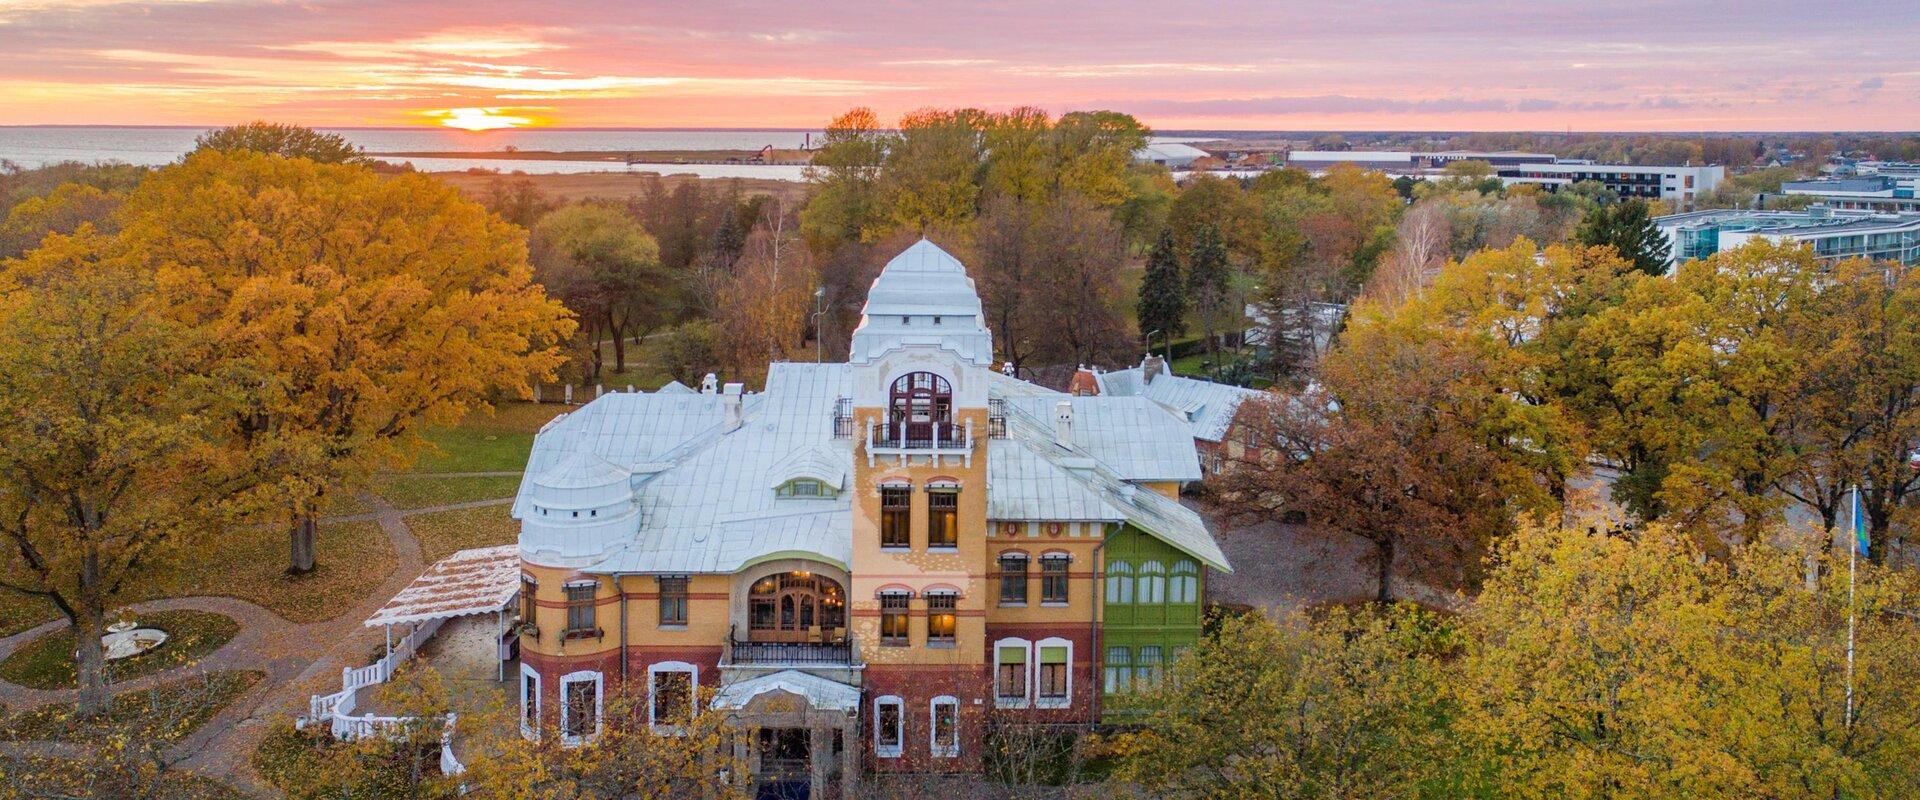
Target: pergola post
500,636
389,628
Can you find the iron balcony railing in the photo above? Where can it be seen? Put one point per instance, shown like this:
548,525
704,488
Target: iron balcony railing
840,653
996,419
843,418
924,436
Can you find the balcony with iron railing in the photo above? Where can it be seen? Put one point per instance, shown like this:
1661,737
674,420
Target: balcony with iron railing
752,653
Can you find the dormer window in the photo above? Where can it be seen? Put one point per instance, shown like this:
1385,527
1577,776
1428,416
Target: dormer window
803,487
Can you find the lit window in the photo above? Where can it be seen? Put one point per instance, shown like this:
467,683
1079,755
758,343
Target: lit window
944,733
673,599
893,619
943,517
671,686
896,516
940,618
889,726
1119,583
1119,672
1013,579
1055,680
1010,673
580,609
1053,578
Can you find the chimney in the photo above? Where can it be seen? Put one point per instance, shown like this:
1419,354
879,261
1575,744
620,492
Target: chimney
730,400
1084,383
1063,422
710,384
1152,367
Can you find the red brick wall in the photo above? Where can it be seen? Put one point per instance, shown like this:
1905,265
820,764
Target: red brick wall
916,686
1085,668
552,668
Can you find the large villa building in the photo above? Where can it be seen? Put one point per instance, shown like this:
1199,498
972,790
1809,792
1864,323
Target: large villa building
867,562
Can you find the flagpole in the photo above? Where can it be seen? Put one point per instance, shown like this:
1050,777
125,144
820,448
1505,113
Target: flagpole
1853,555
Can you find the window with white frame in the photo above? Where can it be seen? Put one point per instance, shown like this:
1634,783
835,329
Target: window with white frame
1119,583
943,735
529,701
580,706
1055,671
1152,584
889,726
1010,671
1184,586
671,686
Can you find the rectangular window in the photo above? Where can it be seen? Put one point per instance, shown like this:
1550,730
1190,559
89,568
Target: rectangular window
1013,579
1053,674
1119,670
893,619
528,604
888,727
580,608
672,697
943,518
1053,579
1146,674
673,600
940,619
896,517
1010,677
946,727
530,701
582,708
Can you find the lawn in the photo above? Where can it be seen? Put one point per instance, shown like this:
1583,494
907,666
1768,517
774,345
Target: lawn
172,709
250,564
483,442
19,612
443,533
37,776
424,491
47,662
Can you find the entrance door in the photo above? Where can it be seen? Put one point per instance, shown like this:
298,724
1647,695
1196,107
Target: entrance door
783,770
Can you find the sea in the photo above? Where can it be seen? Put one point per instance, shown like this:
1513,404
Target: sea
39,145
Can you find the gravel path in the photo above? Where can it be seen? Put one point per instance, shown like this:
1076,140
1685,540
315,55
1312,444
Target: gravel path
300,659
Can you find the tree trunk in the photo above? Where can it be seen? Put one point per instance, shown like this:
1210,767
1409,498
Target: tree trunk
1383,551
301,537
89,624
619,345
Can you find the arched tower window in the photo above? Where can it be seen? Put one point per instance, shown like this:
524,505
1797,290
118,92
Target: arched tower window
917,401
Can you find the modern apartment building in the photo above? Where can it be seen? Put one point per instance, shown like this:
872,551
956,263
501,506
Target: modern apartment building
866,563
1833,234
1892,192
1677,185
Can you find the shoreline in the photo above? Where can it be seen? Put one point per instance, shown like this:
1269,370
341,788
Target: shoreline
669,157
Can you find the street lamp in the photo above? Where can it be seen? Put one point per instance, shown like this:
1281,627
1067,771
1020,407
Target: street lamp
819,307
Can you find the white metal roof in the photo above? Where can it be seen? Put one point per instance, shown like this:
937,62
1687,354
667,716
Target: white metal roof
477,581
1207,407
1135,437
821,694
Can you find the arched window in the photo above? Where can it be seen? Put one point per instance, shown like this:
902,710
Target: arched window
1119,583
1185,585
789,606
918,401
1152,584
803,487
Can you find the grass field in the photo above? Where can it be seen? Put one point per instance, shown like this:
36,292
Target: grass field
486,442
173,709
354,559
37,776
47,662
420,491
443,533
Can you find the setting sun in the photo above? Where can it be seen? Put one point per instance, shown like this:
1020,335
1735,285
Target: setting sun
479,119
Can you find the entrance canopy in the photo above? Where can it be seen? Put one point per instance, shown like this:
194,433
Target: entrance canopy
483,580
822,694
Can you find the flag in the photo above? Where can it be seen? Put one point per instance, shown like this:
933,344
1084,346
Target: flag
1860,538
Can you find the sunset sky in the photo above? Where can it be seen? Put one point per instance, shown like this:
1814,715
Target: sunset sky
1379,64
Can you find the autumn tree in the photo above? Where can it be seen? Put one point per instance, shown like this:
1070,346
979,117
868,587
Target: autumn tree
606,268
107,438
350,311
1350,705
1162,305
845,206
1049,281
288,141
766,304
1627,226
516,200
629,757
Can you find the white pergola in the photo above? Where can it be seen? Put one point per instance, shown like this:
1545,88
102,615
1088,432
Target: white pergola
483,580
